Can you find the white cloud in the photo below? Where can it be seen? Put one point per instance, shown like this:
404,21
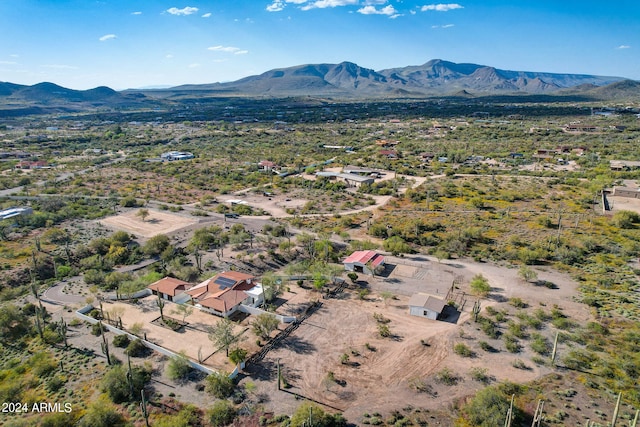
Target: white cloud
323,4
136,13
60,67
441,7
8,63
184,11
371,10
107,37
194,65
624,46
228,49
207,15
168,56
443,26
276,6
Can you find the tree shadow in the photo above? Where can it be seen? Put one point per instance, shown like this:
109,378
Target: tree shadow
298,345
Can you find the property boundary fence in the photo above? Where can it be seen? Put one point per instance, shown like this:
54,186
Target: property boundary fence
257,357
82,314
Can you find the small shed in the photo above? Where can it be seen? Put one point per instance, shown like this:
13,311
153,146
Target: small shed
423,305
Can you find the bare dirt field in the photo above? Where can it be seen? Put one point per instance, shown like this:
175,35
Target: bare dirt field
384,374
156,223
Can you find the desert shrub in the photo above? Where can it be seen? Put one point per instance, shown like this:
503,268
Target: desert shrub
115,384
625,219
518,330
178,368
480,375
98,329
222,413
461,349
447,376
517,302
136,348
101,413
383,330
488,408
519,364
121,341
42,364
220,385
512,344
540,344
489,327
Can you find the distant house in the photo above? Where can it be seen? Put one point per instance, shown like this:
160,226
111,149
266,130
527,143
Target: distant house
624,165
427,157
176,155
169,288
32,165
223,294
267,165
389,154
423,305
14,212
363,262
579,127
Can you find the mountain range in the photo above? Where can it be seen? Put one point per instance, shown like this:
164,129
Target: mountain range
348,80
434,78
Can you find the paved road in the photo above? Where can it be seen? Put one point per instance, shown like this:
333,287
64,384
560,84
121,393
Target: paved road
56,294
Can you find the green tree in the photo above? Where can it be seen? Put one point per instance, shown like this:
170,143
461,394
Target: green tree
264,324
222,335
271,285
184,310
156,245
396,245
142,213
480,285
237,355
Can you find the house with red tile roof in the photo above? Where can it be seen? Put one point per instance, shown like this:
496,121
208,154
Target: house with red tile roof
223,294
364,262
169,288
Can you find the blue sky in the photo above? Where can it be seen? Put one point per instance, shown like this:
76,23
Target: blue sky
133,43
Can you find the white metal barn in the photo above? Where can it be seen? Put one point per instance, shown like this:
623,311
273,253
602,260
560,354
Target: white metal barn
423,305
